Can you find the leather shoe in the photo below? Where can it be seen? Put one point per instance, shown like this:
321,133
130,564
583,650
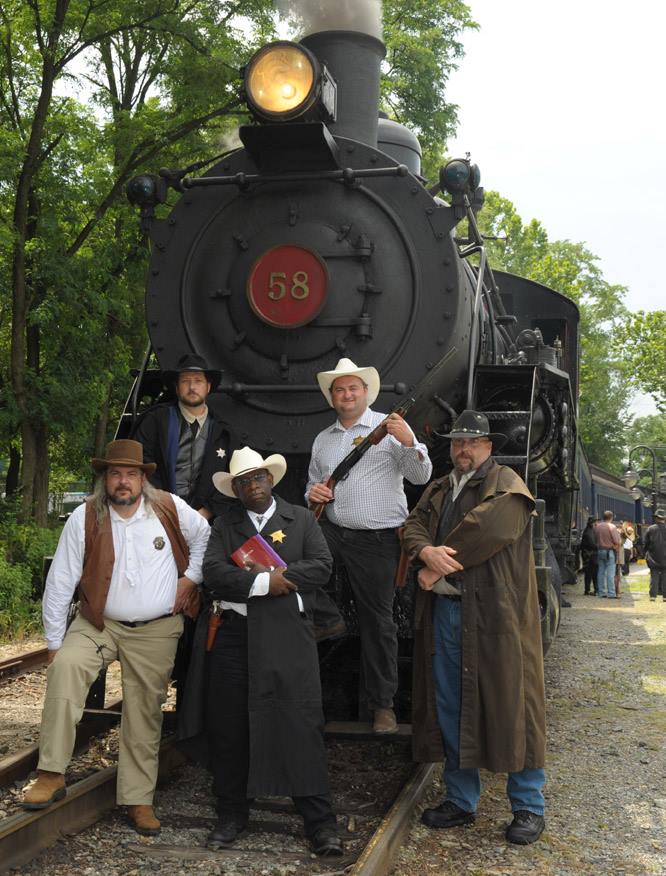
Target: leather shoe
447,814
525,828
142,819
326,843
384,721
47,788
225,833
336,631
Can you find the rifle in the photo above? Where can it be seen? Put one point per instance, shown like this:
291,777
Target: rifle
343,468
423,390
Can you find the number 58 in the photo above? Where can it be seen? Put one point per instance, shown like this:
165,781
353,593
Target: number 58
277,286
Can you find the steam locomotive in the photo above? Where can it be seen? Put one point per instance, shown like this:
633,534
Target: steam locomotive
319,238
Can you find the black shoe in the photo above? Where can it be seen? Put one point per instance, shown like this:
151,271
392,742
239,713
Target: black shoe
447,814
566,603
336,631
327,843
525,828
226,831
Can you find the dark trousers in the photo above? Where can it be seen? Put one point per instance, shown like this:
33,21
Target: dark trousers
657,581
590,572
370,557
228,730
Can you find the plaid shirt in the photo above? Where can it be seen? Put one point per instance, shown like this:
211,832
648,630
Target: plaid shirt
372,495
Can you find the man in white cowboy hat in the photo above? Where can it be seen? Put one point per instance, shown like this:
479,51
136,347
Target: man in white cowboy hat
135,554
478,699
361,520
187,439
256,694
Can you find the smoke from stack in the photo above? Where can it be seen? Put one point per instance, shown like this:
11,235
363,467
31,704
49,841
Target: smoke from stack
313,16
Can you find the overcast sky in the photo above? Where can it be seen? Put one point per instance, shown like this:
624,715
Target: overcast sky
561,107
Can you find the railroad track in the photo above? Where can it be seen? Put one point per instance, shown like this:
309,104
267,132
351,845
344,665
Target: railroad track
21,664
375,829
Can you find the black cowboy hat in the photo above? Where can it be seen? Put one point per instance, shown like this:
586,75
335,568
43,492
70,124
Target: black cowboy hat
472,424
192,362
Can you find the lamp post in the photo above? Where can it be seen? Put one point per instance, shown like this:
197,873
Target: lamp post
631,477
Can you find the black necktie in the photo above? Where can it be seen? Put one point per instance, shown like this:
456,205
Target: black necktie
194,429
260,520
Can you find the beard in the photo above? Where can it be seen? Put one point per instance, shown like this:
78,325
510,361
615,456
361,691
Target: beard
127,500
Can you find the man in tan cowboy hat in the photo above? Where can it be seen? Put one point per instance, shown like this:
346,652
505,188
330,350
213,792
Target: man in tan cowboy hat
258,699
361,522
135,554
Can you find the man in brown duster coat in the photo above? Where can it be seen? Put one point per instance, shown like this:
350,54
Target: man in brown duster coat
478,665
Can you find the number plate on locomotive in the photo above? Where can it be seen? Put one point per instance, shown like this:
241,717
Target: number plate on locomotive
287,286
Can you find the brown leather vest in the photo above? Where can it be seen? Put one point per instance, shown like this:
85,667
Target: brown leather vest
99,555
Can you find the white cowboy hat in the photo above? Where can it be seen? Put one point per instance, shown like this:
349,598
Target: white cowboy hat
244,461
346,368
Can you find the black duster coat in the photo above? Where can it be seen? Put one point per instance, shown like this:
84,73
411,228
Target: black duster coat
287,755
152,430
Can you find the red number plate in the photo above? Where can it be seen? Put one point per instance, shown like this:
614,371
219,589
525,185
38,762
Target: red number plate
288,286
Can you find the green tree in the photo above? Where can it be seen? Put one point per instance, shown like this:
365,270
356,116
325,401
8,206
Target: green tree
641,339
158,78
570,268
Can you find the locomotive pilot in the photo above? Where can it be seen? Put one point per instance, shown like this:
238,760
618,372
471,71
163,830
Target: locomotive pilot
361,523
478,698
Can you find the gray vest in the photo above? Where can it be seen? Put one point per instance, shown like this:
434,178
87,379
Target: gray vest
190,457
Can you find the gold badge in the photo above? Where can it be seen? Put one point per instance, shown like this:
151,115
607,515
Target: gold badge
357,441
278,536
158,542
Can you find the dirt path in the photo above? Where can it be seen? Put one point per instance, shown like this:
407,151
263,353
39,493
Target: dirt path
606,792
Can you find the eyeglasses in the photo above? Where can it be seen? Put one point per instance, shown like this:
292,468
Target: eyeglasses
258,478
469,442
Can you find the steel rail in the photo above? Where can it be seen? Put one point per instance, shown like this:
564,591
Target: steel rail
22,663
24,835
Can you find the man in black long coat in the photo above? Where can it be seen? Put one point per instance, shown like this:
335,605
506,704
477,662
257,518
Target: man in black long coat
263,714
188,439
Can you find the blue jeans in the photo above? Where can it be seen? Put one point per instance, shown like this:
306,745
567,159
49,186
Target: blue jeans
463,786
606,560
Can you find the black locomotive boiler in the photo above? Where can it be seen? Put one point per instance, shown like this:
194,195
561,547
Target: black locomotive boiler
318,239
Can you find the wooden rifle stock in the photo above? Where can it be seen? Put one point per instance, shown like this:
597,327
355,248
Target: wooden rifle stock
345,466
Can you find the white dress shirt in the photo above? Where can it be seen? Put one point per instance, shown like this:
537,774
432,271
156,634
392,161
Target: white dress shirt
372,496
144,578
260,585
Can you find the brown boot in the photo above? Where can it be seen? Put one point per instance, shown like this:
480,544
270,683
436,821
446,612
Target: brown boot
142,819
44,790
385,721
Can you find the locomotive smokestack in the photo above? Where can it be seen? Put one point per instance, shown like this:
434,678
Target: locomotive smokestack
346,36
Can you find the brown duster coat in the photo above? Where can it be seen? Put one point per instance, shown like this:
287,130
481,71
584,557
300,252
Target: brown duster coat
502,720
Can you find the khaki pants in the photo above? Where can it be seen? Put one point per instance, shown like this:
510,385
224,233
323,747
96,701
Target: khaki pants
146,654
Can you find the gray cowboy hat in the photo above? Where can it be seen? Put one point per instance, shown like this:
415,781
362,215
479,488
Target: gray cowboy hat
124,451
660,513
472,424
192,362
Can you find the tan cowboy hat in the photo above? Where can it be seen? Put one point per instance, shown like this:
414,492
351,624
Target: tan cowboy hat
346,368
244,461
123,452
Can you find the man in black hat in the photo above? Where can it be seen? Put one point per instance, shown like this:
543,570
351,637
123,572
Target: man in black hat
479,699
187,438
655,554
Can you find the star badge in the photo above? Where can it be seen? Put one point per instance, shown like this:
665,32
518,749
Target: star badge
221,452
278,536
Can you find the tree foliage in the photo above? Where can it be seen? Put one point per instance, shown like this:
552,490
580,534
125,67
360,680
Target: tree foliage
570,268
641,338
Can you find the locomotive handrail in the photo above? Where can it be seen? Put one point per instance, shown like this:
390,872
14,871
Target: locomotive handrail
244,180
240,388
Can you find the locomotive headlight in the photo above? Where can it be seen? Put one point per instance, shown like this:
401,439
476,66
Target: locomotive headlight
284,80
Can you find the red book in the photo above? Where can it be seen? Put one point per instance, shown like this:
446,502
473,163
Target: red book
257,550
